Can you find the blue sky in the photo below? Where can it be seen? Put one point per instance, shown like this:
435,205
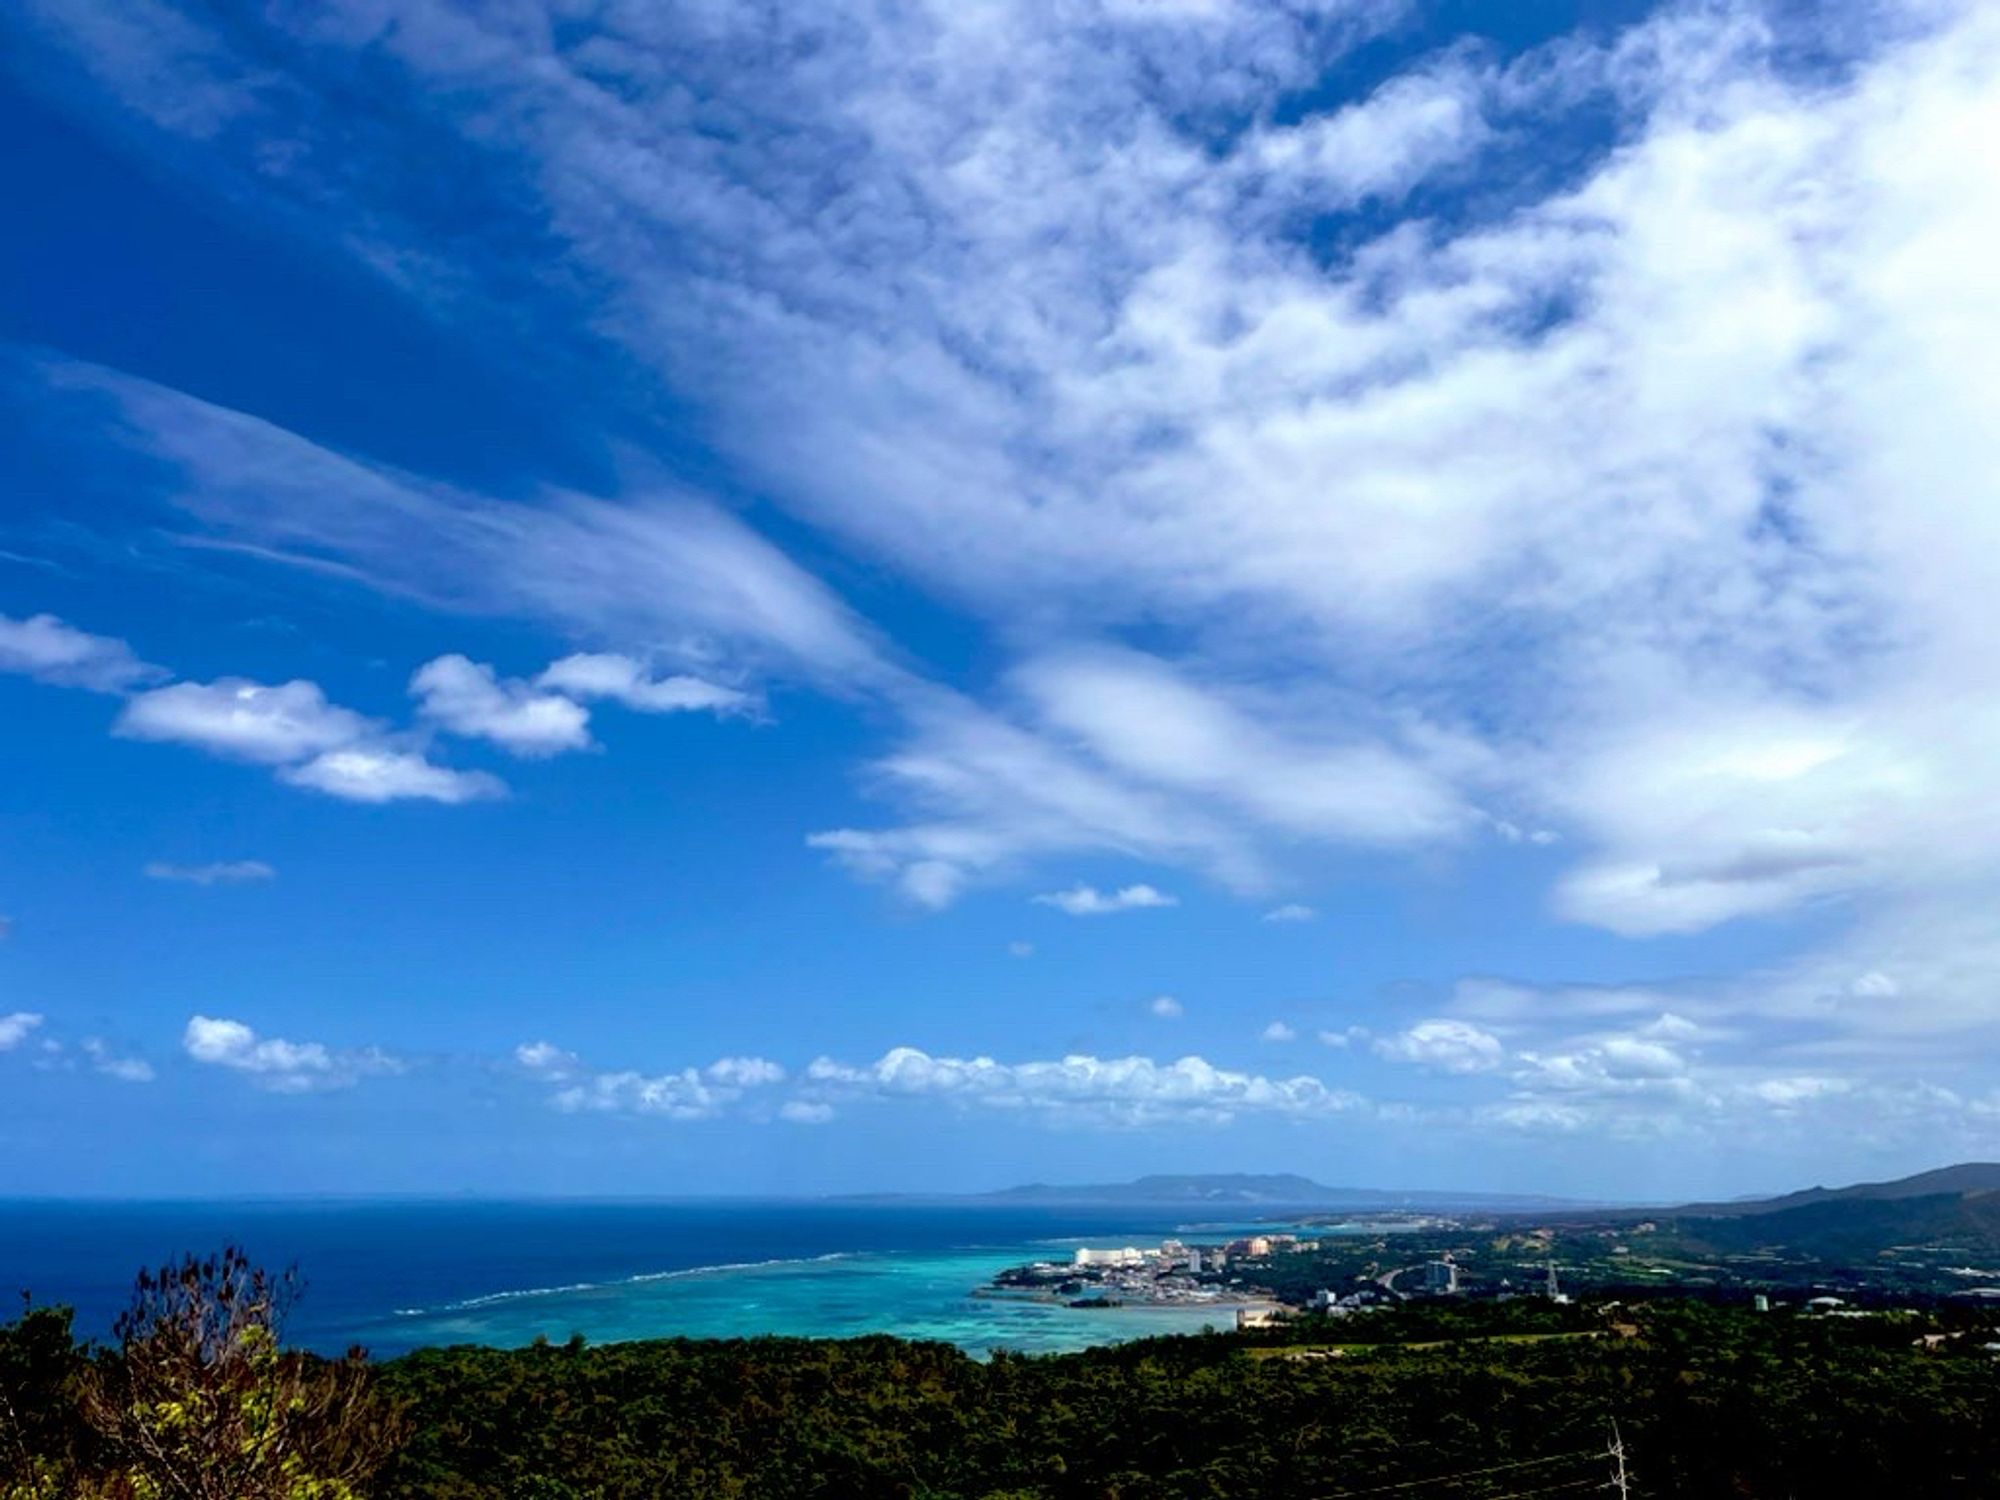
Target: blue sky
617,598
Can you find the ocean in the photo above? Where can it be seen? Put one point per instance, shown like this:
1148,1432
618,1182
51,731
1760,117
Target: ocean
396,1276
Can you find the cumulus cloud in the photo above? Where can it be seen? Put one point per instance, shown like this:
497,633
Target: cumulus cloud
1292,911
624,680
374,773
1088,901
689,1094
16,1028
1445,1045
244,720
292,727
217,872
282,1067
46,649
1113,1091
1166,1007
548,1059
1278,1031
468,698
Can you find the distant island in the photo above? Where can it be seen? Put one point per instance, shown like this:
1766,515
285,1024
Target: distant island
1239,1190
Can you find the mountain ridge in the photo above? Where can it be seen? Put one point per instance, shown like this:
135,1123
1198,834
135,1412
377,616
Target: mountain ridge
1960,1180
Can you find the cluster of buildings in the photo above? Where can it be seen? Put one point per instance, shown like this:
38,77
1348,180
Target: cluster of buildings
1173,1255
1171,1272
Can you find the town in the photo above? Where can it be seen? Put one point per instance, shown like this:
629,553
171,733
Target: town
1340,1267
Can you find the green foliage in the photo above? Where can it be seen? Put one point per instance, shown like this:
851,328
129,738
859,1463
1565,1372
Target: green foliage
1713,1403
198,1401
40,1366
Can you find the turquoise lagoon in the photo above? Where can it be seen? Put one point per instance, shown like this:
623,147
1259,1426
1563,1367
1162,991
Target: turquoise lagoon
399,1275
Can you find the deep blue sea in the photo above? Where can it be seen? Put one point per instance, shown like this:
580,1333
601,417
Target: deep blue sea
394,1276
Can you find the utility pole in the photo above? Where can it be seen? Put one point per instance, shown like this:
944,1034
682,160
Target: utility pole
1619,1479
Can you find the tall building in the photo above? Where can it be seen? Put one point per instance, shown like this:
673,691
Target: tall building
1441,1277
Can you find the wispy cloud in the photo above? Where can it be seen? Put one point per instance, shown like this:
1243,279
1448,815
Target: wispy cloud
218,872
1640,521
607,675
48,650
125,1069
1291,912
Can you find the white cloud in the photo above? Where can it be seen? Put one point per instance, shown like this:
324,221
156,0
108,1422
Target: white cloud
46,649
467,698
1278,1031
291,727
1445,1045
627,681
664,567
1144,720
746,1072
1342,1040
1166,1007
934,883
1290,912
244,720
805,1112
312,743
1112,1091
218,872
371,773
1656,505
547,1058
1088,901
111,1065
278,1065
1020,949
15,1028
689,1094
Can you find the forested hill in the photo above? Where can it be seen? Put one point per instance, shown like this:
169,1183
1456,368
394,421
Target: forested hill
1711,1403
1964,1179
1853,1230
1933,1218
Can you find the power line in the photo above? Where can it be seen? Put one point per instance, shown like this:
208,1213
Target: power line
1578,1484
1415,1484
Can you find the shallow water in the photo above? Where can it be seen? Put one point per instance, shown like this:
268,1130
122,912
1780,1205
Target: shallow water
398,1276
